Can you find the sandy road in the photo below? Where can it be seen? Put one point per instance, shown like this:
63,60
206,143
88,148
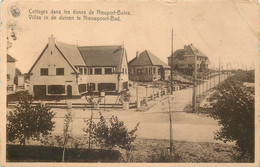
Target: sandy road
154,123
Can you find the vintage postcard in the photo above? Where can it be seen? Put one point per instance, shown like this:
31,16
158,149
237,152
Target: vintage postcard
129,83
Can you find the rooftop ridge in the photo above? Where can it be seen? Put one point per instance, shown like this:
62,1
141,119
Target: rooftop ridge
95,46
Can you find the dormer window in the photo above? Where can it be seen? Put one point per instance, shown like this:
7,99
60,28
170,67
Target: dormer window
108,70
98,71
81,71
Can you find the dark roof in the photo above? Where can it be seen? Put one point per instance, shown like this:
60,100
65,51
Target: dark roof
71,52
10,58
147,58
189,50
102,56
192,50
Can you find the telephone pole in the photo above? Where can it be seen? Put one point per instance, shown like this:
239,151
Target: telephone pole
170,117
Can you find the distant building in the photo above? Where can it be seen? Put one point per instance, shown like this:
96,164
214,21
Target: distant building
69,71
184,60
10,75
147,67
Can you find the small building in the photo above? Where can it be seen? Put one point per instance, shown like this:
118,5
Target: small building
183,60
69,71
147,67
10,75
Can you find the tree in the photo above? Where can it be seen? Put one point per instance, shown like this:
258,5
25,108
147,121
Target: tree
27,120
235,112
94,102
114,133
66,129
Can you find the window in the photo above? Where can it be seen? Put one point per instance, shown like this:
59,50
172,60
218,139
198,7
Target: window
8,77
56,89
98,71
106,87
140,71
108,70
126,71
90,71
153,70
146,70
85,71
81,71
190,65
44,71
59,71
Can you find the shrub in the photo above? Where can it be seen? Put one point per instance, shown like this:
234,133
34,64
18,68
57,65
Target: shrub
113,133
234,110
28,121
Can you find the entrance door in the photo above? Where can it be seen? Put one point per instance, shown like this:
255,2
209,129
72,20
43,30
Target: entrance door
69,91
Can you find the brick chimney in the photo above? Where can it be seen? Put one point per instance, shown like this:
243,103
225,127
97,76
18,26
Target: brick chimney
51,44
137,54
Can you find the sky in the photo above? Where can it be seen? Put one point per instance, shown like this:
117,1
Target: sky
225,29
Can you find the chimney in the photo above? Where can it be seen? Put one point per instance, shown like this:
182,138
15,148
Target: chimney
51,44
137,54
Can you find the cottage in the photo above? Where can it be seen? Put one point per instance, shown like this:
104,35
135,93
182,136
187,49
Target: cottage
10,75
148,67
69,70
183,60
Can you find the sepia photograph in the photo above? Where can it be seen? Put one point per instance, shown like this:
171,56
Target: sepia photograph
129,82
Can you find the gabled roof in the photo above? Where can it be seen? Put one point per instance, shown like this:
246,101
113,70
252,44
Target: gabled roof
189,50
10,58
72,54
61,54
147,58
192,50
102,56
93,56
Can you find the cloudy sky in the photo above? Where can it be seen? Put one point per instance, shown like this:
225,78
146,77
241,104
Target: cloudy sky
224,29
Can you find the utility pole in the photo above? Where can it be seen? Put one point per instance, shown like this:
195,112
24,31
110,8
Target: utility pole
170,117
171,59
194,99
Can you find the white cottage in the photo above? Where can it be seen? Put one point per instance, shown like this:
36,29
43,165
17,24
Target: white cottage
70,71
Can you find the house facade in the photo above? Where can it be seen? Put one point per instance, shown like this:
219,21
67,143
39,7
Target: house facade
183,60
147,67
10,75
65,70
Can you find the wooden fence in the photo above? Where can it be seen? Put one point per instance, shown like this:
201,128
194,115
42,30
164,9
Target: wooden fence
79,105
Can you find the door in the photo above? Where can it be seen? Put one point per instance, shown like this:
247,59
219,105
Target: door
69,91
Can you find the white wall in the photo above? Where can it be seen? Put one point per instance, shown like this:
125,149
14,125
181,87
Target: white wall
11,72
52,62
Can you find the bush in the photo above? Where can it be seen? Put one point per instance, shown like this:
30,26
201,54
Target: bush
235,112
28,121
112,134
125,97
